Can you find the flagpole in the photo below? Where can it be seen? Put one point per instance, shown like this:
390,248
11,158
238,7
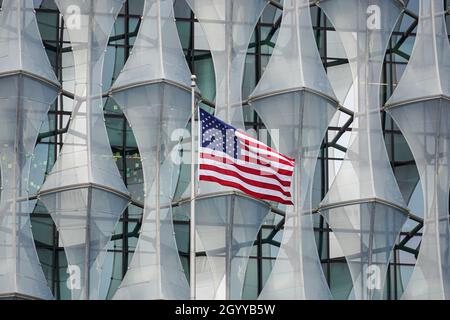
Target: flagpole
192,275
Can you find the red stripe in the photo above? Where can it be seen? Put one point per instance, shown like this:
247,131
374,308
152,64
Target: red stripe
245,190
262,146
268,157
255,183
250,170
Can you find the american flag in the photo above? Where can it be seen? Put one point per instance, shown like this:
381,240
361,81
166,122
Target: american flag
232,158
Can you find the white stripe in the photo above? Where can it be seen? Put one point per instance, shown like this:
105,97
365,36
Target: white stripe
242,183
259,178
271,156
275,164
250,138
251,165
264,151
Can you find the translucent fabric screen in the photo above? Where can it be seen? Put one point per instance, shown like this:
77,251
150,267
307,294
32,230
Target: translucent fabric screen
84,192
364,198
27,90
227,27
156,267
153,91
295,84
420,106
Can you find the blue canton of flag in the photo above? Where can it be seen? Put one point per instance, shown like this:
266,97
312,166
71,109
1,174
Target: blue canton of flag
217,135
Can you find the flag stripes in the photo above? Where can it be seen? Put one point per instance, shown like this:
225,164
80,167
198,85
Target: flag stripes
232,158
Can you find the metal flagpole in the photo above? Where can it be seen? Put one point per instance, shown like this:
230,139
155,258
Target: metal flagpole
192,278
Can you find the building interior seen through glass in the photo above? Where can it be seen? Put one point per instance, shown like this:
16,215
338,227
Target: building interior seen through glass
121,247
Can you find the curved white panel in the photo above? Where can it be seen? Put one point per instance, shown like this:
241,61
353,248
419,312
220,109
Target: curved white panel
157,53
27,89
227,227
364,206
294,97
420,106
20,41
84,192
154,113
228,26
153,91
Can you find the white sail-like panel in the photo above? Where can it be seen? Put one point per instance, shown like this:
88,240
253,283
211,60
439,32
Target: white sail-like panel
227,226
295,98
84,192
153,91
420,106
364,206
20,43
27,89
228,26
157,53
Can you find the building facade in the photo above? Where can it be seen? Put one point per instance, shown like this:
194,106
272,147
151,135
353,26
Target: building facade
337,60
